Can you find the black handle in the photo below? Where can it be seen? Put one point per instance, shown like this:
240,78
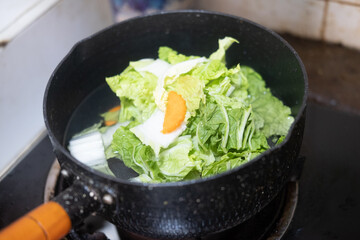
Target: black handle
87,236
79,201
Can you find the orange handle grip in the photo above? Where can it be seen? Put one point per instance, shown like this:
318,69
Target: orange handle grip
46,222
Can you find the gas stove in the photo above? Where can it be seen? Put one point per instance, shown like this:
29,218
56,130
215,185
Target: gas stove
323,204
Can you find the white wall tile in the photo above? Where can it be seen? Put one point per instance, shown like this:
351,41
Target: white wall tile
354,2
294,16
16,15
343,24
27,62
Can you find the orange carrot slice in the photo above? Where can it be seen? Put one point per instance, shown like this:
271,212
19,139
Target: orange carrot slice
114,109
174,113
110,123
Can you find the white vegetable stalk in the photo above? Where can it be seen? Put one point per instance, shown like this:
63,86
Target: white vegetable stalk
88,148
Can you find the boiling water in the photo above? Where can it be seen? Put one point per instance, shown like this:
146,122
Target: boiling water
88,113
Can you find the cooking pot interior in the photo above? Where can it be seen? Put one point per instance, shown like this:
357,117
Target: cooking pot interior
108,53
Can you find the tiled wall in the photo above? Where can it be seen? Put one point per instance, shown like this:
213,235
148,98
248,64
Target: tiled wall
26,63
343,22
335,21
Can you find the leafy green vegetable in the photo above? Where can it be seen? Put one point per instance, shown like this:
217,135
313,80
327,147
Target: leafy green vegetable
231,116
135,91
104,168
174,162
226,162
271,116
171,56
134,154
174,77
138,65
224,44
110,116
191,89
221,127
93,128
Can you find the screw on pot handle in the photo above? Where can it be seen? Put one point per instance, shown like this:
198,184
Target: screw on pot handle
53,220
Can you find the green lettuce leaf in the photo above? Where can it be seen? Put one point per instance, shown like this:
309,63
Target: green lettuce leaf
171,56
231,115
174,162
224,44
220,127
220,87
213,70
129,111
144,178
110,116
176,78
240,85
201,157
104,168
157,67
191,89
142,63
135,91
134,154
227,162
271,116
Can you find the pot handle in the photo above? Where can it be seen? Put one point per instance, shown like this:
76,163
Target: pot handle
46,222
53,220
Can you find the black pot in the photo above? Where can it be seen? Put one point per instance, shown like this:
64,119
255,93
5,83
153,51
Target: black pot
182,209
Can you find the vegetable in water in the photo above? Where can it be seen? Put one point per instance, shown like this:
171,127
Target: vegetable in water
111,117
184,117
174,113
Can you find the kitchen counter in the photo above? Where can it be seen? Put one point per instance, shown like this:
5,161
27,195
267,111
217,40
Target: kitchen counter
333,71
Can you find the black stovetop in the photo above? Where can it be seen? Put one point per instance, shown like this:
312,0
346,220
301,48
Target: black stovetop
329,194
